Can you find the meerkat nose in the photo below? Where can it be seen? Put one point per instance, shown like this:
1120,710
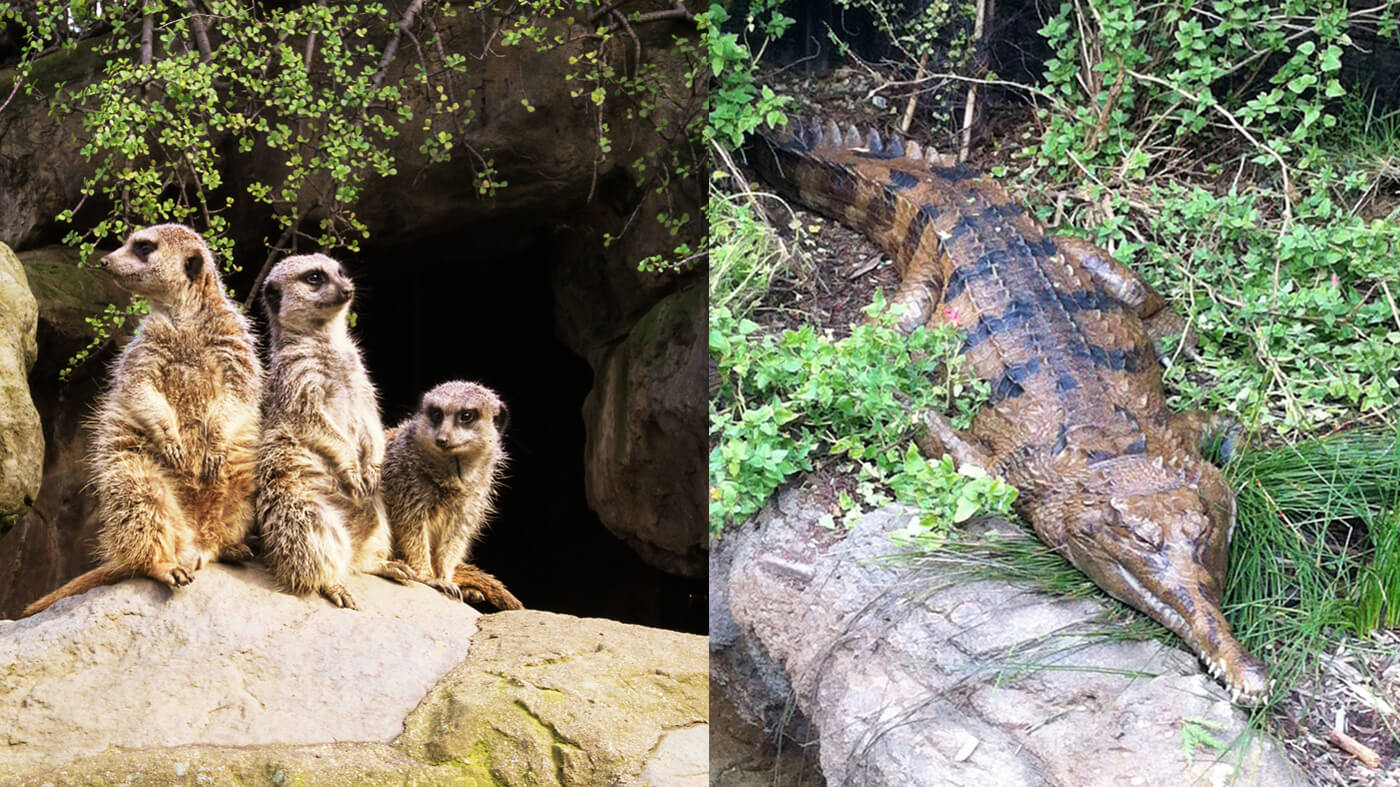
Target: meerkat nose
441,442
104,261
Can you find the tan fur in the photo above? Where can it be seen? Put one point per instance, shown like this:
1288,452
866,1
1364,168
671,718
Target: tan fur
322,446
440,474
174,437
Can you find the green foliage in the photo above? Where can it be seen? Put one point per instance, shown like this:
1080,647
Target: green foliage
782,403
1261,231
737,105
188,92
745,258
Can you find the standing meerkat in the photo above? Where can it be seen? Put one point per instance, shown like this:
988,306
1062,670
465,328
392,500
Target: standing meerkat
174,437
440,474
322,444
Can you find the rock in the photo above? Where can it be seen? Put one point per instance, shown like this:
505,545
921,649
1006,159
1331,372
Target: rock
646,436
569,701
913,676
68,292
230,680
21,435
52,542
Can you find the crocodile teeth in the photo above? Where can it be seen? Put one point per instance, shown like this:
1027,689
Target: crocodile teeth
872,141
913,151
831,133
853,138
894,148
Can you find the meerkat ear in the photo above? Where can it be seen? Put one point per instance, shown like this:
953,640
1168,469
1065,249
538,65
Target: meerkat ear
502,419
272,299
194,264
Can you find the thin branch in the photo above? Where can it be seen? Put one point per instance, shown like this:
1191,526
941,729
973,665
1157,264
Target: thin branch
637,64
674,13
393,47
19,78
201,34
604,11
970,111
913,97
276,248
147,37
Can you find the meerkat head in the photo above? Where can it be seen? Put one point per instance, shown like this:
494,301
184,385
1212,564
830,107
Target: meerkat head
161,262
460,419
305,293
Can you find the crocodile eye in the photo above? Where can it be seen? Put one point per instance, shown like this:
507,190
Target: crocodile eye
466,416
142,249
435,415
314,278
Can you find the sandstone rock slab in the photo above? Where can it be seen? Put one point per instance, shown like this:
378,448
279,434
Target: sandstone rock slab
228,660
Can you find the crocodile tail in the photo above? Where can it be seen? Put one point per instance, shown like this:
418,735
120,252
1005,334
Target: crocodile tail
468,577
105,574
918,206
872,184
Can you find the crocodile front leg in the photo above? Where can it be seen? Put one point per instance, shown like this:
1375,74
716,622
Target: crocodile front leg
1208,430
939,438
1129,288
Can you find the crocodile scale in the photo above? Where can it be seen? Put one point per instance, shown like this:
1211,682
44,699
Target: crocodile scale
1064,334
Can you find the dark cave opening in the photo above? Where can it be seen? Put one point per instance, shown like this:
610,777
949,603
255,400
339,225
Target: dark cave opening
444,307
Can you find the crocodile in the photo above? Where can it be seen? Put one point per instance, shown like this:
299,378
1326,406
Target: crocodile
1068,339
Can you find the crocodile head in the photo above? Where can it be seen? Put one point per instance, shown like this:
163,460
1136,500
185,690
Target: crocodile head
1157,537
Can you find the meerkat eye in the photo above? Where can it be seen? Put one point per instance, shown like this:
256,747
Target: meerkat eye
466,416
142,249
314,278
435,415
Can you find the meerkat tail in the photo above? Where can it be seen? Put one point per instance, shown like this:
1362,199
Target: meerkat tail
468,577
105,574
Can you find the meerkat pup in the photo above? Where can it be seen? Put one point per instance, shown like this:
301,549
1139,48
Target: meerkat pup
322,446
440,474
175,435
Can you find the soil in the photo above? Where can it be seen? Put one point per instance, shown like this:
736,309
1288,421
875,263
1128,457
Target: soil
834,275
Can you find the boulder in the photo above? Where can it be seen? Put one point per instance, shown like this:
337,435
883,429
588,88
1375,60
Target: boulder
21,435
231,680
52,542
918,676
645,452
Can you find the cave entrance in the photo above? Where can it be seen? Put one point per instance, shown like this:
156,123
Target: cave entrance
448,306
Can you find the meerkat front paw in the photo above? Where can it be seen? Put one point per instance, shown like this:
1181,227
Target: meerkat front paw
339,596
370,473
235,553
213,467
446,588
173,452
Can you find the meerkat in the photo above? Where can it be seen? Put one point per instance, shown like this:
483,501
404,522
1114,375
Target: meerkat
440,474
322,446
174,436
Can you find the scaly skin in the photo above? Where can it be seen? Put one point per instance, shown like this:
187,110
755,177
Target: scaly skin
1064,334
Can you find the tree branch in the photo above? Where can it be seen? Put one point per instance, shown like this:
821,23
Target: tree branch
393,48
201,35
267,264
